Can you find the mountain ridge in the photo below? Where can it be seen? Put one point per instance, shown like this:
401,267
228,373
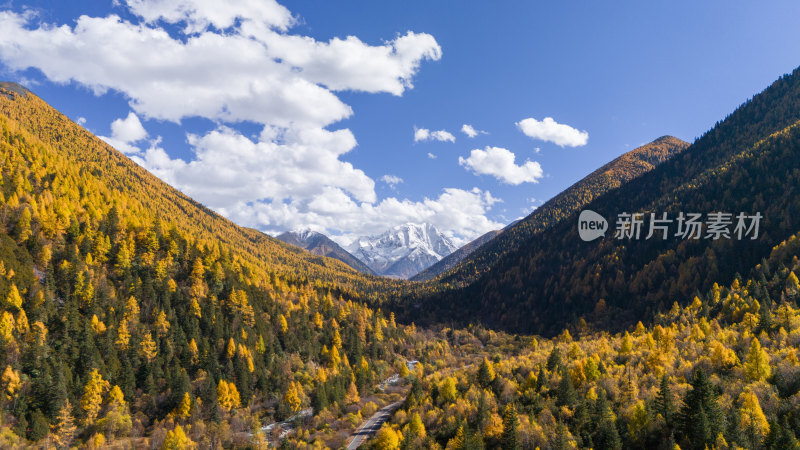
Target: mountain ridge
320,244
746,162
610,176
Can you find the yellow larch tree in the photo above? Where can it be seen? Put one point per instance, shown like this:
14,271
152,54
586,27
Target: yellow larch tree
92,398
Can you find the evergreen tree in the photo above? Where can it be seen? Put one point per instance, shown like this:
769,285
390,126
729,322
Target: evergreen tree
554,359
701,419
567,396
485,374
663,403
510,437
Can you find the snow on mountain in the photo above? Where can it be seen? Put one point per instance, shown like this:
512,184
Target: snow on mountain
319,244
402,251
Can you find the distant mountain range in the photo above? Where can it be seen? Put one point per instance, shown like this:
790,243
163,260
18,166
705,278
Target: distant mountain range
402,251
319,244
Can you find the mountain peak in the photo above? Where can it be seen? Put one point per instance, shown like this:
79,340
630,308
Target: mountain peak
15,87
319,244
403,250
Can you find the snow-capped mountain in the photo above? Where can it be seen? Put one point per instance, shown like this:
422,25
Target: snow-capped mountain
319,244
402,251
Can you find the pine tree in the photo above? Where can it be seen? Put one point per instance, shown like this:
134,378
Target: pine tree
781,437
566,394
554,359
148,349
485,373
664,404
701,417
607,436
510,437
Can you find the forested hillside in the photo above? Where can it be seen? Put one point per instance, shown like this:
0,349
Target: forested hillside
610,176
451,260
720,373
748,162
132,315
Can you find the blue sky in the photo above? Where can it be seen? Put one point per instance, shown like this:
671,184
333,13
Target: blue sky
625,73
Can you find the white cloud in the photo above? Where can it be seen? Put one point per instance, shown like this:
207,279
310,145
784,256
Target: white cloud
198,15
81,121
391,180
551,131
287,186
499,163
125,133
250,72
229,167
431,155
470,131
129,129
460,213
424,134
237,61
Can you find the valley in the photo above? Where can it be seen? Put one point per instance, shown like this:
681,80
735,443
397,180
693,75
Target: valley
134,317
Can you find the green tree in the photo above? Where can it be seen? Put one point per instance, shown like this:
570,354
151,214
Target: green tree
485,373
701,418
510,437
447,390
664,404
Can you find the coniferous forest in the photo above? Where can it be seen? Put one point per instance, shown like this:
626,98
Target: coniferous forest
134,317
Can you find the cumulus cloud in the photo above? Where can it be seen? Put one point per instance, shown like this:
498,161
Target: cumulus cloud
551,131
199,15
125,133
470,131
499,163
391,180
461,214
81,121
238,61
276,187
424,134
250,72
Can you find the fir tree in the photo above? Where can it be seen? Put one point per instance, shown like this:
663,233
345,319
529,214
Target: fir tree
701,419
510,437
664,405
